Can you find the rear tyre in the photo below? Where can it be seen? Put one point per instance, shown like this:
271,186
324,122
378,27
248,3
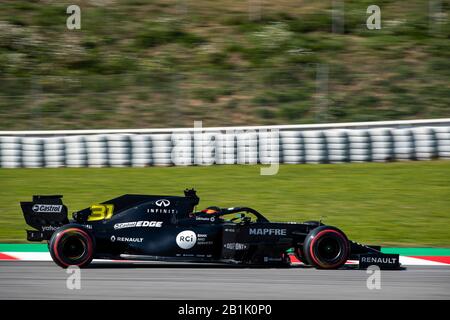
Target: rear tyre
72,245
326,247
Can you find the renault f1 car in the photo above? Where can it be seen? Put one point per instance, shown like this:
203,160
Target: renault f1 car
167,228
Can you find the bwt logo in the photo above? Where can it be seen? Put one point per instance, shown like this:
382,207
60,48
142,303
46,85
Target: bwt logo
163,203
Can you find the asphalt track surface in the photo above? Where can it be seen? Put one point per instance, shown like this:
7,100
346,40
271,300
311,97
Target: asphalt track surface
44,280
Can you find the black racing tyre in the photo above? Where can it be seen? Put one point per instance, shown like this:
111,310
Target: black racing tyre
326,247
72,245
298,251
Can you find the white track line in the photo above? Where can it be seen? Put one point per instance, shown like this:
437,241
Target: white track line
45,256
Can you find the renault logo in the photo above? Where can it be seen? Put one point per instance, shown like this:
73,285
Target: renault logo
163,203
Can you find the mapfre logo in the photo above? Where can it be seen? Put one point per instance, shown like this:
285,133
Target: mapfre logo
186,239
47,208
162,203
266,232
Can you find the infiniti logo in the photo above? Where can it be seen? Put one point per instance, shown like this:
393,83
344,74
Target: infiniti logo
163,203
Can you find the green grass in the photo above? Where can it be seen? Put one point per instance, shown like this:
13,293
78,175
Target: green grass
193,64
404,204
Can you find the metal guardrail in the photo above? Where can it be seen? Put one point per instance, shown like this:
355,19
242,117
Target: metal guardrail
343,125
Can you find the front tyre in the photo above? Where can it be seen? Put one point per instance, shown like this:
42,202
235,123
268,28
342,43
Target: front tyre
326,247
72,245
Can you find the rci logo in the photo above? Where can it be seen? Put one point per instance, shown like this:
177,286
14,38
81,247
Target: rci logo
163,203
186,239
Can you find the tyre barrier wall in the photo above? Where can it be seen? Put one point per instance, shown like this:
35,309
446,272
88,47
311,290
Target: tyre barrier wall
376,141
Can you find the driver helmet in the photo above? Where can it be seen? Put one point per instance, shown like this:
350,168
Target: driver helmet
211,210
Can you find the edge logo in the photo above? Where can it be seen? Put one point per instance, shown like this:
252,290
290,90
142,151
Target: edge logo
162,203
138,224
186,239
47,208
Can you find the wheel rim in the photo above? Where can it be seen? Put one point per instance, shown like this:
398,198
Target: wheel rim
335,258
73,248
329,249
57,247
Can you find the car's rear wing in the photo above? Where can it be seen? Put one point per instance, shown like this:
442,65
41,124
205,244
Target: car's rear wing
45,214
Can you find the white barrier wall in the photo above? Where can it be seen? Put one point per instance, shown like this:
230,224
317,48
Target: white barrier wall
331,143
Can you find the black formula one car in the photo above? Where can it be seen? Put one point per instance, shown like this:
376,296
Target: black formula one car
167,228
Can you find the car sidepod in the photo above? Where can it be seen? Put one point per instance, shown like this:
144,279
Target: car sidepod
260,243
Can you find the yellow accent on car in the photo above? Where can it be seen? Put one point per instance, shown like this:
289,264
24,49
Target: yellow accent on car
101,212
